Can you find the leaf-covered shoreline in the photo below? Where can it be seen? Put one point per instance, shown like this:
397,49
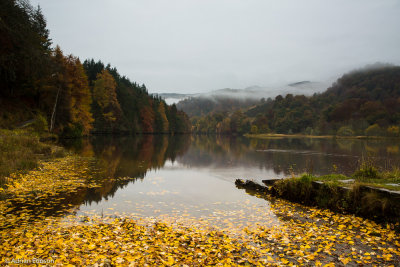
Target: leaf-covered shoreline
303,236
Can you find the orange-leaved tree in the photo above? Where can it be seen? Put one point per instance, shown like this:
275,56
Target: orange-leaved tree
105,96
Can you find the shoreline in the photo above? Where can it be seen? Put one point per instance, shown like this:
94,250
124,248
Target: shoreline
281,136
361,199
119,239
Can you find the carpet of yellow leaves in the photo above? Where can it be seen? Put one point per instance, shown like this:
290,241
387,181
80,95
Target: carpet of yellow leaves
303,236
40,192
123,242
313,236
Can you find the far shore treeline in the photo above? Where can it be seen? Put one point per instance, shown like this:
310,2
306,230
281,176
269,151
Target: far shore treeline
364,102
56,92
42,87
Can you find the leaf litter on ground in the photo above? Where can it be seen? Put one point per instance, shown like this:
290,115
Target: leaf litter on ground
37,222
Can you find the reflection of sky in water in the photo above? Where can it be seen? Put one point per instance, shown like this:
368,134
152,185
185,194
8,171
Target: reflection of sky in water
276,158
176,192
229,173
197,185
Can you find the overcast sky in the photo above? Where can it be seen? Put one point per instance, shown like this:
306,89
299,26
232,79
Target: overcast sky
201,45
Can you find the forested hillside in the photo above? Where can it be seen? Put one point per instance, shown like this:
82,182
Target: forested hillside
56,92
229,100
203,105
363,102
121,105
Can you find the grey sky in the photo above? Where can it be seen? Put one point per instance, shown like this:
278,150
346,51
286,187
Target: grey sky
200,45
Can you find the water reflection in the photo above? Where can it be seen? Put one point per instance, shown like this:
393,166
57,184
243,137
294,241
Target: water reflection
224,158
129,157
193,177
286,155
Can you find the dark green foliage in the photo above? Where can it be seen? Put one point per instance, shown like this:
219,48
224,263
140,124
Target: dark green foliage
366,171
141,112
24,48
72,131
345,131
203,106
364,102
261,122
36,79
221,123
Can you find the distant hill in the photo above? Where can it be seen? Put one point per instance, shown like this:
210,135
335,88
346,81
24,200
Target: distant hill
201,106
299,83
173,98
362,102
228,99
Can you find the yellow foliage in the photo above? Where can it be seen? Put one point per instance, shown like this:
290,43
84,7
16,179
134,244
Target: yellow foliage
309,237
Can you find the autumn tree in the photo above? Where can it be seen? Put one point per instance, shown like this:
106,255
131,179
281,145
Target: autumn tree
374,130
67,97
147,119
80,95
162,124
105,97
393,130
38,82
261,123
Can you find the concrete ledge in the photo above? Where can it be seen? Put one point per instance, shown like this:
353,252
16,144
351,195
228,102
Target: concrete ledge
379,204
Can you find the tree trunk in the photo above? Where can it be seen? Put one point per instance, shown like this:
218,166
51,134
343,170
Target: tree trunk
53,115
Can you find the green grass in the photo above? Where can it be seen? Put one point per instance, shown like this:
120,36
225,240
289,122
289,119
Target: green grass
343,197
366,174
20,151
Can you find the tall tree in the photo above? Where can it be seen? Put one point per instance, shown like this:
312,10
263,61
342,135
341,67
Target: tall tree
147,119
24,48
67,97
105,96
80,95
163,126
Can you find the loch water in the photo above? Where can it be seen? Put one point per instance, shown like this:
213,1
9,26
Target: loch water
186,177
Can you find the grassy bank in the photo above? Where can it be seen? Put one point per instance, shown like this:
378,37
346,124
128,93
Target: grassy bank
367,174
357,198
368,193
21,150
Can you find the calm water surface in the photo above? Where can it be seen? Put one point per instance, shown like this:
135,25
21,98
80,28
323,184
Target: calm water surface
192,177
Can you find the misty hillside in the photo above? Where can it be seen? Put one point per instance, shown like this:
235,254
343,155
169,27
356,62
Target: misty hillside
361,102
173,98
201,106
228,100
